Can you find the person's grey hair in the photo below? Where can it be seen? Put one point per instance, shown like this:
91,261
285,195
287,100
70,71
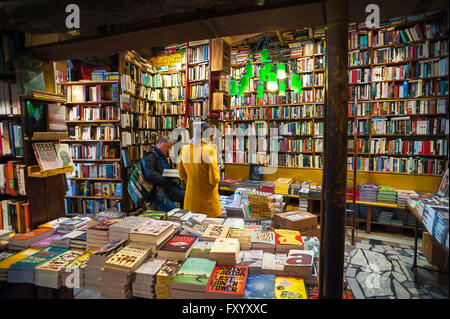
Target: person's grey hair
162,139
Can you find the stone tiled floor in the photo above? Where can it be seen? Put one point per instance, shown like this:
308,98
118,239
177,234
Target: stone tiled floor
376,270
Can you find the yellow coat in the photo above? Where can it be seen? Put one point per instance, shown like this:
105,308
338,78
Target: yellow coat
198,166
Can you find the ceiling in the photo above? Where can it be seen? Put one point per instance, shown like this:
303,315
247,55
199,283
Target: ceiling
118,25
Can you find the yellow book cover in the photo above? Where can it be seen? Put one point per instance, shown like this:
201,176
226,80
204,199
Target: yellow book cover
244,236
288,237
289,288
127,257
5,264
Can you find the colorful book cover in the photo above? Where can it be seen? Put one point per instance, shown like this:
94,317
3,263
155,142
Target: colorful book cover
59,262
169,269
80,261
33,233
6,263
263,237
38,258
260,286
152,227
128,257
194,227
46,242
289,288
105,225
228,280
179,243
6,254
300,258
202,247
288,237
312,244
46,156
253,227
195,271
54,223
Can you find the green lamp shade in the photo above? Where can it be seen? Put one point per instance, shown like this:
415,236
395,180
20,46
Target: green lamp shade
260,91
295,79
282,89
298,89
262,74
264,55
249,70
281,71
240,90
268,66
233,87
245,82
272,84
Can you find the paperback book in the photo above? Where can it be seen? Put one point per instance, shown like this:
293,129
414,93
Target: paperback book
227,281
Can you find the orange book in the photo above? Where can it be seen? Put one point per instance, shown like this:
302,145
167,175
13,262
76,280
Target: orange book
20,217
26,213
10,189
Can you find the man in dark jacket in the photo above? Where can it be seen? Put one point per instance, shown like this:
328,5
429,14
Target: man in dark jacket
165,192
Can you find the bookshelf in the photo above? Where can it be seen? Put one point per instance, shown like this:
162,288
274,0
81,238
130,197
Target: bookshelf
14,206
402,91
93,122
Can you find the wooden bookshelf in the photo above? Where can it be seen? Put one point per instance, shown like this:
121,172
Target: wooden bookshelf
431,75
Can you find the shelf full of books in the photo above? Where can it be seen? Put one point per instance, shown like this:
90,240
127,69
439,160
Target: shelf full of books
93,122
398,74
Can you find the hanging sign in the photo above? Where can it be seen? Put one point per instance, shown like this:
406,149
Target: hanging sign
170,59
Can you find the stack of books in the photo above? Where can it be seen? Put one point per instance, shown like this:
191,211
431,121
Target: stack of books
48,274
227,282
143,285
191,279
404,195
98,235
118,270
263,239
164,278
273,263
299,263
79,241
78,265
252,259
368,192
92,273
244,236
286,239
121,229
440,228
151,233
194,227
225,251
74,223
295,188
201,249
385,217
387,194
178,247
54,223
23,241
23,270
282,185
214,231
6,263
178,214
259,204
104,215
267,187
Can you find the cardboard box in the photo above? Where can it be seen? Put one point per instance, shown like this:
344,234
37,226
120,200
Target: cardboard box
435,253
297,220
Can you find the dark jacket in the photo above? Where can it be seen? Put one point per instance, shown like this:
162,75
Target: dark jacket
153,169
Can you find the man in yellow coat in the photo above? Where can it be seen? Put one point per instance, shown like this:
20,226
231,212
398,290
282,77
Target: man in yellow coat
198,165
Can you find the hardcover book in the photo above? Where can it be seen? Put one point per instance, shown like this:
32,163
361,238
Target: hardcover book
177,247
194,274
227,281
214,231
289,288
260,286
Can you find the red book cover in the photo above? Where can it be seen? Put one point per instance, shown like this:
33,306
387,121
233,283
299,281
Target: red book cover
228,281
33,233
10,178
179,243
426,147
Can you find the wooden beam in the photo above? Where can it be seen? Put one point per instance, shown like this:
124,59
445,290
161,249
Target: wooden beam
280,38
